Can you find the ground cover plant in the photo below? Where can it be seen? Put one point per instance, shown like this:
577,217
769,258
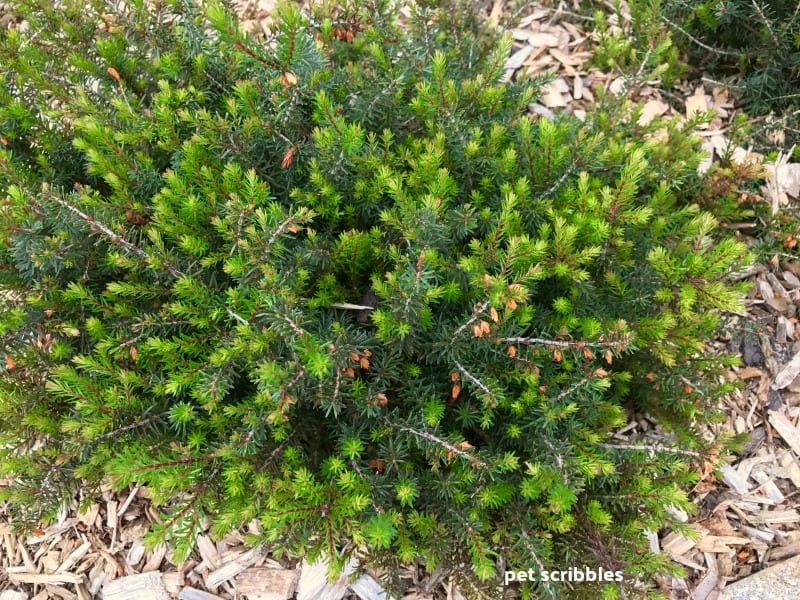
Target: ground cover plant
339,282
753,46
647,42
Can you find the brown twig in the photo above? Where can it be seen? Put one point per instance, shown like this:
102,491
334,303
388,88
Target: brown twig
446,445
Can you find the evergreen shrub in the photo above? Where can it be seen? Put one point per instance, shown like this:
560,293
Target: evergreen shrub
752,44
637,44
336,283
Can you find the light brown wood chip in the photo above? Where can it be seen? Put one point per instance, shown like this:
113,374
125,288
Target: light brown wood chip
784,427
261,583
43,578
144,586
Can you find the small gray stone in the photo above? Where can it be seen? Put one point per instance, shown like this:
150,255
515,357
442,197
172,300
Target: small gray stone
751,353
774,401
779,582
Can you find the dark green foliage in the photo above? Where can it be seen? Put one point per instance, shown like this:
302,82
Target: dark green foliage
757,43
339,282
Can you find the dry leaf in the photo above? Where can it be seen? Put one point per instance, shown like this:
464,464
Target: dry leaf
749,372
288,158
651,110
721,97
718,524
696,103
289,79
786,177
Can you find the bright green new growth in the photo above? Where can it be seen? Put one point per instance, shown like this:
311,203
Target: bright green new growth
191,215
